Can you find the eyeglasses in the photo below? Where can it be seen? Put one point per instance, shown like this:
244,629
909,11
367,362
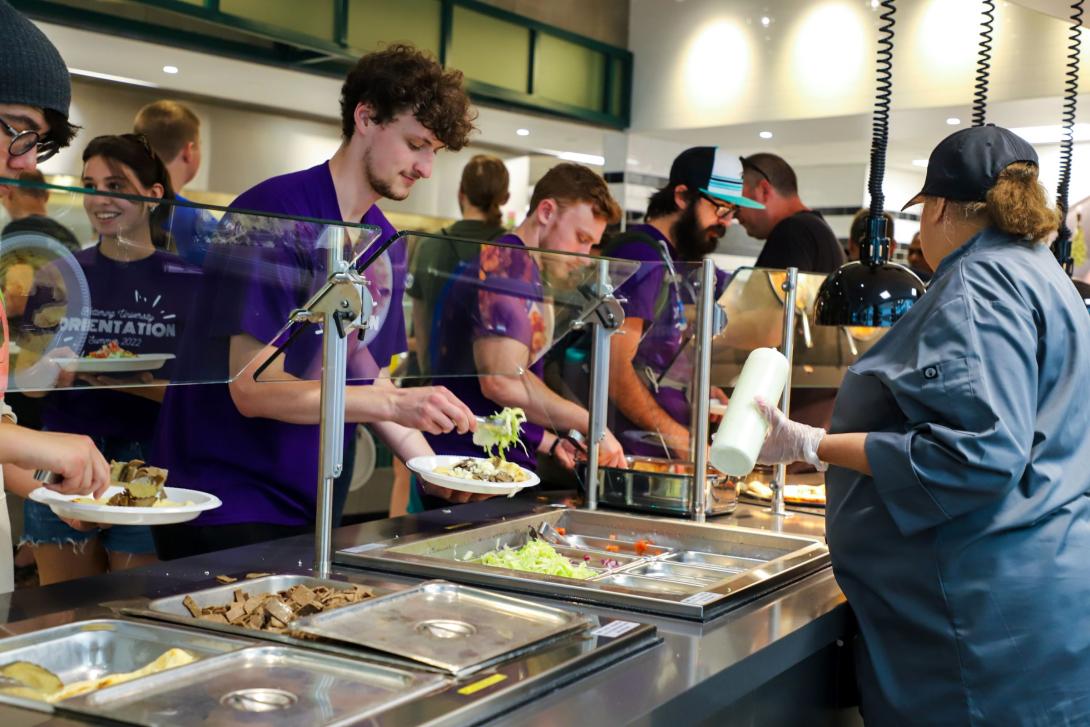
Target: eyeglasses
23,141
722,209
747,164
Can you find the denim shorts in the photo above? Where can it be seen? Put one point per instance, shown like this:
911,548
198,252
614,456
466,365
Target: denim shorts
41,525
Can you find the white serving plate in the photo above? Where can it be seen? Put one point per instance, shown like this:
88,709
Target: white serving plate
65,506
140,362
425,467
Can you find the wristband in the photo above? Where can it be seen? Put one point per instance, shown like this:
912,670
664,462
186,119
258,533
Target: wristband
552,447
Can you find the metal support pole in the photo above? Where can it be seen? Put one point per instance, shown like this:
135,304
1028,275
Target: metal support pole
599,386
701,393
331,436
790,287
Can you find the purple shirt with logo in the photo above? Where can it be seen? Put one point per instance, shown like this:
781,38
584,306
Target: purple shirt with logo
143,305
266,470
498,294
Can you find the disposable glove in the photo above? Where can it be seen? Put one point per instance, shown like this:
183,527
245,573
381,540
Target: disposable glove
789,441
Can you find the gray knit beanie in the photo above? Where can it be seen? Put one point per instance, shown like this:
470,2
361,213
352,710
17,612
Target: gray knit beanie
32,72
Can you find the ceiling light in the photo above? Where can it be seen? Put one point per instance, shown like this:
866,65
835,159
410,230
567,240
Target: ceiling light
919,162
766,21
765,134
1052,134
953,121
522,132
111,77
170,69
574,156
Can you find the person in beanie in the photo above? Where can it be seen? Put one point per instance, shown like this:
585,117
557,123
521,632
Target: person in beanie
35,92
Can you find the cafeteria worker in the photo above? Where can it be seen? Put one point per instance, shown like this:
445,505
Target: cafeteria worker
959,463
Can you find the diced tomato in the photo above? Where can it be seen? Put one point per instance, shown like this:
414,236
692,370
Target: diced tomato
613,548
562,531
641,546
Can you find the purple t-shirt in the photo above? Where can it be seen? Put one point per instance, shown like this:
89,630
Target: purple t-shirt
657,296
498,294
266,470
143,305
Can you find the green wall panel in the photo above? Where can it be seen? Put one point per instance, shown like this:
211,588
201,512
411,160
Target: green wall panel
375,23
617,90
490,50
313,17
567,72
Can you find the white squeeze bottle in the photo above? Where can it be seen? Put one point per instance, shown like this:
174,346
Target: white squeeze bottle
742,432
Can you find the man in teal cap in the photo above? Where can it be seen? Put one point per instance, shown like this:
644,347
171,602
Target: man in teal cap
684,222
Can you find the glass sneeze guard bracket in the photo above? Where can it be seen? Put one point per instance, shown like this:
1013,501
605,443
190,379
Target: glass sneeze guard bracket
342,305
605,314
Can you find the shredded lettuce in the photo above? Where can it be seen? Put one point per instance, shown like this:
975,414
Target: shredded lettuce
537,556
501,437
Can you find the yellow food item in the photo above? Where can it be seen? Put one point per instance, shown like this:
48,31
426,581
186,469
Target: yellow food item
31,676
168,660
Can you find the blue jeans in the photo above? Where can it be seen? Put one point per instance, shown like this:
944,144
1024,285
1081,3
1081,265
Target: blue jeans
41,525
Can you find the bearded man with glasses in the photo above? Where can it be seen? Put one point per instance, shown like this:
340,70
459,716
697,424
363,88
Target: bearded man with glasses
684,222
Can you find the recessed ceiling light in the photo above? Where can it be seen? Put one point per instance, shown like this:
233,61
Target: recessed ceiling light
766,21
953,121
170,69
919,162
522,132
765,134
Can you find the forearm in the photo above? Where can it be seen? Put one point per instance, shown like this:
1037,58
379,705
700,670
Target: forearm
404,442
542,405
19,481
633,399
845,450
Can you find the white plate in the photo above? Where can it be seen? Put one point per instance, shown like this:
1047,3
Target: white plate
65,506
425,467
140,362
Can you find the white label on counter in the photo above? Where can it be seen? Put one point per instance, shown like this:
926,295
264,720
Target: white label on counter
614,629
364,548
701,599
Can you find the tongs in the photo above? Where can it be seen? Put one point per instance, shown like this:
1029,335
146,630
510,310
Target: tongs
495,424
549,534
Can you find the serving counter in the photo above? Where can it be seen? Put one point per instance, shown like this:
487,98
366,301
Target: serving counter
780,658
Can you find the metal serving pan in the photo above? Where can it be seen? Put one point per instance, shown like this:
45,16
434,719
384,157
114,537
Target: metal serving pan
454,628
267,685
753,562
92,649
661,486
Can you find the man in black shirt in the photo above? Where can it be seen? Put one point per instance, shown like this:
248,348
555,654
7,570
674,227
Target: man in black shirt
794,235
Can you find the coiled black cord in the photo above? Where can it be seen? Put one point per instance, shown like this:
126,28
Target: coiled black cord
880,122
1062,247
983,64
876,251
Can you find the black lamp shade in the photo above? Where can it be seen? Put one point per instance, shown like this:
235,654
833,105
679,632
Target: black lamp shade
863,294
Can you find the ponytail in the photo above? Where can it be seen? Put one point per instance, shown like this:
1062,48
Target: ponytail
1019,205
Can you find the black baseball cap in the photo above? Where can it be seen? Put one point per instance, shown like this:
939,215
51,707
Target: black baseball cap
711,172
966,164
